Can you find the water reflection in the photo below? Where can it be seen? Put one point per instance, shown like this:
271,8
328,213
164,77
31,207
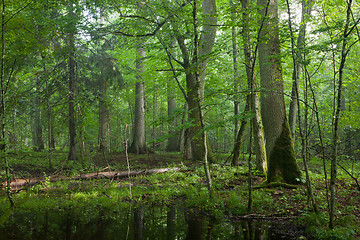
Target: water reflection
135,223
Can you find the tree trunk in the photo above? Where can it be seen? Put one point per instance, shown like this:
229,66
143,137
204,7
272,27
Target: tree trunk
282,165
239,137
306,11
138,145
154,129
72,124
236,70
39,141
344,52
258,131
296,55
257,126
3,108
103,116
173,139
49,114
198,66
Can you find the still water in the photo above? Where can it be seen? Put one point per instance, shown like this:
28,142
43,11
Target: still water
136,223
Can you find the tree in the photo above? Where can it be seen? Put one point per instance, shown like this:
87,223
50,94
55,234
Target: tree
345,48
139,144
252,100
197,65
38,136
282,165
297,52
173,140
236,68
72,79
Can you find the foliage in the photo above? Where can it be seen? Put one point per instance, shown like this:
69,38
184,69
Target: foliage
107,32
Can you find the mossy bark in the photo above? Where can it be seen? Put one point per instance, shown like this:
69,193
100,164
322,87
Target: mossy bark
282,165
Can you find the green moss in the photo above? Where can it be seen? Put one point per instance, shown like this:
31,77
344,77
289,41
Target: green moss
282,165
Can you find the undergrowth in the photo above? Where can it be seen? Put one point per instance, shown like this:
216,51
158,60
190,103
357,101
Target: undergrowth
185,187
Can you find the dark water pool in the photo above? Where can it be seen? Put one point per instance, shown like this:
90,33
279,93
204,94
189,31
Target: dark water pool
137,223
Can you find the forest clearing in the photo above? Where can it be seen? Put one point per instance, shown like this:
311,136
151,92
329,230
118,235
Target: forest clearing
179,119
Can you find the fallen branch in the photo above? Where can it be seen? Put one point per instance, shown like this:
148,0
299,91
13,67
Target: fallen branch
354,178
19,183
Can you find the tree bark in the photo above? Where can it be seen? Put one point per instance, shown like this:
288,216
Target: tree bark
236,70
3,107
49,115
239,137
173,139
39,141
252,101
198,66
138,145
344,52
282,165
103,115
257,126
306,12
72,78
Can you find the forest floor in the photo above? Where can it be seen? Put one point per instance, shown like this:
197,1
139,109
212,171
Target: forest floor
187,184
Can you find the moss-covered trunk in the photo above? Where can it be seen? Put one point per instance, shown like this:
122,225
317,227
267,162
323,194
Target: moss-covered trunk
282,165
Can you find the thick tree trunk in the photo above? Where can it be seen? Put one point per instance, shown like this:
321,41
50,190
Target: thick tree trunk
282,165
138,145
72,124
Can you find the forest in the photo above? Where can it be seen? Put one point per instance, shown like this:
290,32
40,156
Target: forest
179,119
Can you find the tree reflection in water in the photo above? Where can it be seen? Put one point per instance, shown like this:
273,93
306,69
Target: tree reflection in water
138,223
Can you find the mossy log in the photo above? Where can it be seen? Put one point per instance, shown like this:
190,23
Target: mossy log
20,183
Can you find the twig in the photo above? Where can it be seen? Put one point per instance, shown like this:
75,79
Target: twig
352,176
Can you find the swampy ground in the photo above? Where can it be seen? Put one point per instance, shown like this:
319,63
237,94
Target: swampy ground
182,185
